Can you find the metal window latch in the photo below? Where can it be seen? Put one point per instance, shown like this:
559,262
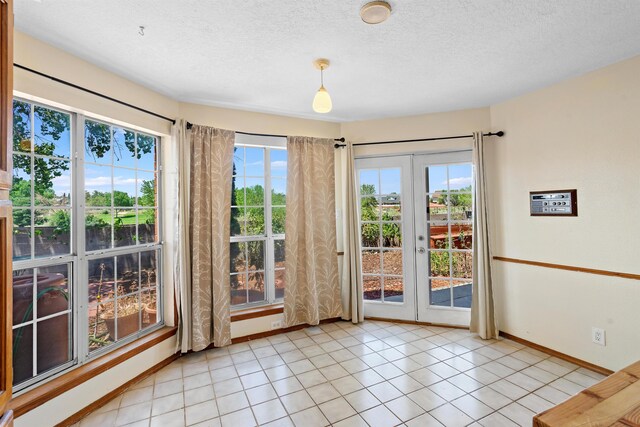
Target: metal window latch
421,250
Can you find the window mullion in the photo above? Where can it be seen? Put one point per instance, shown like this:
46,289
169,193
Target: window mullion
269,273
81,313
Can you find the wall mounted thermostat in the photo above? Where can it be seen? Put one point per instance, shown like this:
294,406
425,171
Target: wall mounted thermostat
554,203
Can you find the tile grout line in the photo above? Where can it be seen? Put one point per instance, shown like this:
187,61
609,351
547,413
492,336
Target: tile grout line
359,336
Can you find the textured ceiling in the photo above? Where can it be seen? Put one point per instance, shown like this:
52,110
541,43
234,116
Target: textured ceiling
431,55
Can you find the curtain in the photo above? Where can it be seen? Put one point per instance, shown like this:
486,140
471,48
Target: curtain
312,291
482,307
211,164
352,299
182,248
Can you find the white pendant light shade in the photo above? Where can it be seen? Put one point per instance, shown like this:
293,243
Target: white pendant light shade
322,101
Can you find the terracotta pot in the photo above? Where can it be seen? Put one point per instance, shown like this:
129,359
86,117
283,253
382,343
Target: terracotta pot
53,336
127,325
149,315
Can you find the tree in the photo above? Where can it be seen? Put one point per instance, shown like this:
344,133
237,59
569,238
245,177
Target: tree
122,199
148,190
52,125
98,198
21,196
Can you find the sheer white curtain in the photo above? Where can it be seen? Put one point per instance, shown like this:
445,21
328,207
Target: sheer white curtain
182,248
483,319
352,298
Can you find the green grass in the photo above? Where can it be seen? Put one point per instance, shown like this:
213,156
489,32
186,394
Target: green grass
127,217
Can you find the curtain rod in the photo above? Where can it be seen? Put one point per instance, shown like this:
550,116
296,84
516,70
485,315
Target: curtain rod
498,134
189,125
84,89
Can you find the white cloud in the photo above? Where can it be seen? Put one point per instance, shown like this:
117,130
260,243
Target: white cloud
460,182
105,181
62,181
279,164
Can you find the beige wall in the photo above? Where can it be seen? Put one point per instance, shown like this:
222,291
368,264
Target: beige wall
42,57
462,122
583,133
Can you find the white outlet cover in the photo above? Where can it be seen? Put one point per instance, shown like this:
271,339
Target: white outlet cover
598,336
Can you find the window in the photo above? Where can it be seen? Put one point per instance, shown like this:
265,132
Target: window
86,245
257,225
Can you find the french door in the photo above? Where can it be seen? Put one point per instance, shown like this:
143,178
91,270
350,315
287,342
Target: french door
386,230
444,232
416,219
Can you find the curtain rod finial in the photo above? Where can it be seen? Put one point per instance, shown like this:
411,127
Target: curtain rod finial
500,133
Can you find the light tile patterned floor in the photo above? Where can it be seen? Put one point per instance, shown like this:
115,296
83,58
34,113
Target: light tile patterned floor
372,374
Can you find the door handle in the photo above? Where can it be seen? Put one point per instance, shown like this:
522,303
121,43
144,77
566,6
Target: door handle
421,250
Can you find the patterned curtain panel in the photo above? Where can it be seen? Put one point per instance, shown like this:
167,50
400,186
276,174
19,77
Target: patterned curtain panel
312,292
483,320
209,233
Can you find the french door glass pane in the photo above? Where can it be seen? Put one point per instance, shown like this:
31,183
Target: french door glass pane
371,262
392,262
449,227
381,230
440,292
372,286
370,233
462,293
393,289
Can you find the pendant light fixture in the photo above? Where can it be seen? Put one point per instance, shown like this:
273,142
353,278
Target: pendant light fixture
322,100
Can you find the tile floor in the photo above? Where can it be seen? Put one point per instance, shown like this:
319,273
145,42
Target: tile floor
372,374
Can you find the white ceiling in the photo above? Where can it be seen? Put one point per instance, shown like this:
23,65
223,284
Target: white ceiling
431,55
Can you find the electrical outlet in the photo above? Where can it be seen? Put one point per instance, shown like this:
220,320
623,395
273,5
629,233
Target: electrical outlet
598,336
276,324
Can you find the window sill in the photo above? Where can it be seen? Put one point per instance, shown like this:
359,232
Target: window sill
252,313
44,393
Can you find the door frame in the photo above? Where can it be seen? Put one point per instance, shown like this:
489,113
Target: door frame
455,316
407,309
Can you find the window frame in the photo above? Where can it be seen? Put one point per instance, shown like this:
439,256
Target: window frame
269,237
78,258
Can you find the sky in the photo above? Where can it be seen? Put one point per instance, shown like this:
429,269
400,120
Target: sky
98,171
389,180
251,161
